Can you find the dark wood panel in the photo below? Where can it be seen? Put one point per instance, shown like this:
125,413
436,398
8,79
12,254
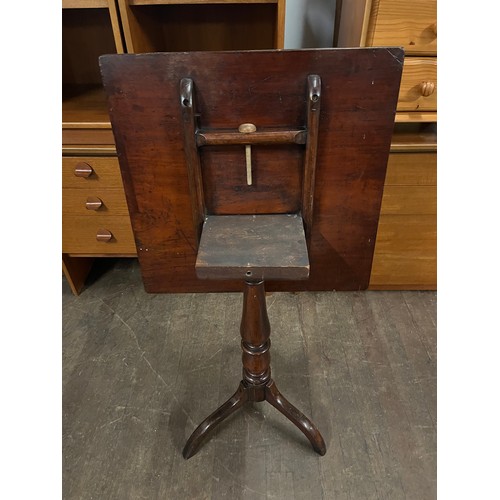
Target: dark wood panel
275,188
253,247
268,88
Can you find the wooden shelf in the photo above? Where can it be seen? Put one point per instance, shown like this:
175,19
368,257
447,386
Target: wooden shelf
85,119
89,29
84,106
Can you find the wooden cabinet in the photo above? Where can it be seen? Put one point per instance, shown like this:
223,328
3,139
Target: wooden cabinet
89,28
95,220
405,250
94,206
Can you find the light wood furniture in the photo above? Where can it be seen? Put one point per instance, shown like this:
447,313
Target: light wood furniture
91,28
405,251
90,168
174,25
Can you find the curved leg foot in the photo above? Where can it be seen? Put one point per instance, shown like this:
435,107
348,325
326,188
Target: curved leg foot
199,434
274,397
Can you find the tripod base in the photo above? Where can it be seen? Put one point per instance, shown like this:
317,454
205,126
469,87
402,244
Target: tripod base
257,384
247,392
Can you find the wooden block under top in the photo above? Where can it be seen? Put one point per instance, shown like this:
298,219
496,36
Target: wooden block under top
253,247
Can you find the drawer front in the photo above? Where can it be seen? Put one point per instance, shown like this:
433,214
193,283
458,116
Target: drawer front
84,202
410,184
79,235
411,169
105,172
410,24
418,91
87,136
405,252
409,200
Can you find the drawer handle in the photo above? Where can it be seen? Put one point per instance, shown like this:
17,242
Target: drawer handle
83,169
93,203
427,88
103,235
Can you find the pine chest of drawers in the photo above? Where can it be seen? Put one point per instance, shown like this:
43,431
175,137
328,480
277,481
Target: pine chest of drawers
405,250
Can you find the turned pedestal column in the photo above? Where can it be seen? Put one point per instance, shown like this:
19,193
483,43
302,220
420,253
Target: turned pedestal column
257,384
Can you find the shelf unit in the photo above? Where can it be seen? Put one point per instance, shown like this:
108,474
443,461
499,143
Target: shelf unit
91,28
171,25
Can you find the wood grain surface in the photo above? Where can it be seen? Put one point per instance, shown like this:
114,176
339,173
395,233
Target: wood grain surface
417,70
106,173
406,248
253,247
408,24
405,252
267,88
187,26
113,202
79,234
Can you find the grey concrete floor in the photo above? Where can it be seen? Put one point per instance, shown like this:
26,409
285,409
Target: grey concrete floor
140,371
